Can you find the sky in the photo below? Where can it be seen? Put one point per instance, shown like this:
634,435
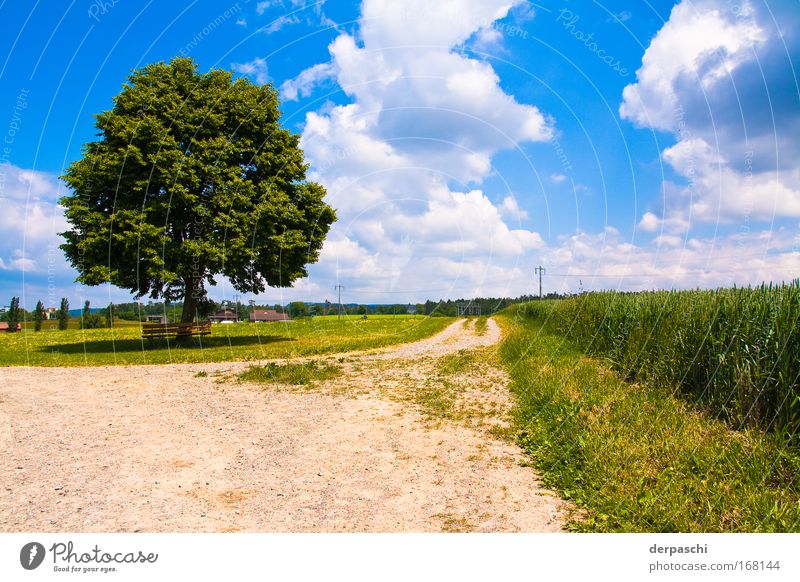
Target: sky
619,145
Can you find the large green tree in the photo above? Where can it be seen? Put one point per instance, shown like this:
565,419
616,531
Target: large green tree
192,177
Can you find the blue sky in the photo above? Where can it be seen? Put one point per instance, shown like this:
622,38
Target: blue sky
620,145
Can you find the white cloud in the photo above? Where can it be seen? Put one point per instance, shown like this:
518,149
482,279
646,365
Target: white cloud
716,192
30,220
712,76
557,178
608,261
401,162
511,208
305,82
701,43
279,23
255,69
487,39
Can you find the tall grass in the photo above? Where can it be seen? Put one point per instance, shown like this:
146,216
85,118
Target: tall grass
633,457
734,352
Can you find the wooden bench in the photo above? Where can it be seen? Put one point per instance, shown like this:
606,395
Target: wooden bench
177,330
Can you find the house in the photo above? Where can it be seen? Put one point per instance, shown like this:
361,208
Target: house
4,326
156,319
267,315
224,316
51,313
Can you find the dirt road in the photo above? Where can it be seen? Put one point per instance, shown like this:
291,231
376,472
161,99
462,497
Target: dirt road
403,440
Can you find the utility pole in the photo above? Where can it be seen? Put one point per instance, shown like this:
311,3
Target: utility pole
339,287
541,271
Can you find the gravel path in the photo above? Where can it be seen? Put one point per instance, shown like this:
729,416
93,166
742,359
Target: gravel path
157,448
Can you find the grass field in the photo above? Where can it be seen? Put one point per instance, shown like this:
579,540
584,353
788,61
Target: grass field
632,456
234,342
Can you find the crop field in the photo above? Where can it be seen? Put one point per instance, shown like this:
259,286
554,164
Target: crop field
735,353
633,455
227,342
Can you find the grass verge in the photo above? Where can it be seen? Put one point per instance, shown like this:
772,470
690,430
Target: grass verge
299,374
634,457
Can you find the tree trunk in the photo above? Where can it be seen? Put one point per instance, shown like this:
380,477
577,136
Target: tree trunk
189,303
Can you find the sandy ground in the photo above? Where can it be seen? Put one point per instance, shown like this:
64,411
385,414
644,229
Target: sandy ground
159,449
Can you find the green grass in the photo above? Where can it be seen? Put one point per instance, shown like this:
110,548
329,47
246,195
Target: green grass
633,457
456,363
480,325
436,399
234,342
298,374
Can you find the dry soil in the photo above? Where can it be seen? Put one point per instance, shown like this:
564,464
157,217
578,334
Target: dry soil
398,441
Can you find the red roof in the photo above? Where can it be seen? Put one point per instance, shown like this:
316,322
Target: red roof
267,315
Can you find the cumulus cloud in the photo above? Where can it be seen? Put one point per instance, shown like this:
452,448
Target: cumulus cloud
608,261
700,44
404,160
719,76
30,220
307,81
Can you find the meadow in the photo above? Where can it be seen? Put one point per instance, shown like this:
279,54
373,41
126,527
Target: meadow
123,344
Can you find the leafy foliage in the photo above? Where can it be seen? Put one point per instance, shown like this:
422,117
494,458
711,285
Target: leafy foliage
38,316
191,177
13,315
91,320
63,314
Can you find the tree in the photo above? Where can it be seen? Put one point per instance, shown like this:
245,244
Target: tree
38,316
13,315
91,320
63,314
192,177
297,309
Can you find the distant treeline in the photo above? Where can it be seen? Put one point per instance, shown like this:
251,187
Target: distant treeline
134,311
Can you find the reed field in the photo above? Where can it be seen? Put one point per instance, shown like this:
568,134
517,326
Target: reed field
734,353
630,450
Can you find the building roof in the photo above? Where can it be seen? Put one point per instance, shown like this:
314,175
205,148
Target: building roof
267,315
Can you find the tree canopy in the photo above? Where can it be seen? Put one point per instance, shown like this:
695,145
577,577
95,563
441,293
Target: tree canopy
192,177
